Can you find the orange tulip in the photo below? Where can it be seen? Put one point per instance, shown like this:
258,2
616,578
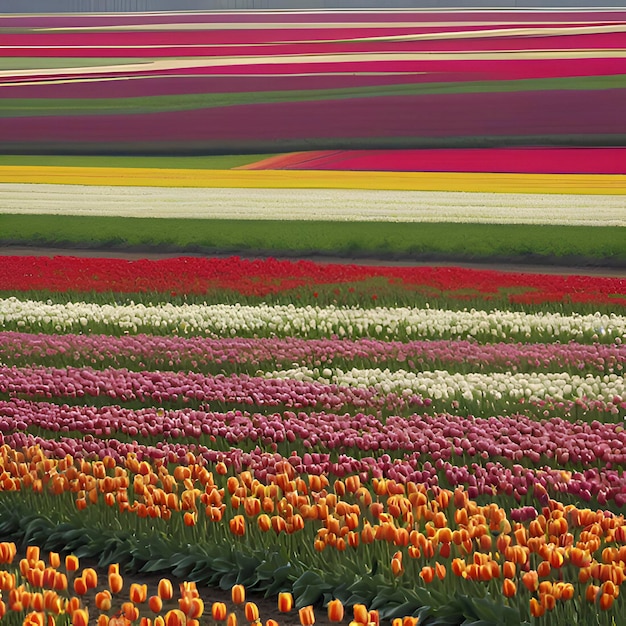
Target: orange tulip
80,617
335,611
508,569
508,588
232,619
264,522
251,612
175,617
35,618
189,590
71,563
238,594
8,551
103,600
427,574
116,583
130,611
54,559
91,577
611,588
73,604
536,609
155,603
218,611
567,592
37,601
238,525
307,616
32,553
103,620
531,580
543,569
440,570
592,593
397,568
556,559
196,608
138,593
165,589
285,602
189,519
80,586
360,613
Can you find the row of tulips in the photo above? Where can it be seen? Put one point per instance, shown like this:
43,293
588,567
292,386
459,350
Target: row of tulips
515,438
518,474
203,354
55,591
265,320
438,539
335,390
265,278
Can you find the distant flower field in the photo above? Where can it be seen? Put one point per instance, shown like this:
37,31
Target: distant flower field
261,81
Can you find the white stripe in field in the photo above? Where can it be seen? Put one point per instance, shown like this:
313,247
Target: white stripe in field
300,60
314,204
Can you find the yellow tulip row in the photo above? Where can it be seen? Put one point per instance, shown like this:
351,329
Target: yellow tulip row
310,179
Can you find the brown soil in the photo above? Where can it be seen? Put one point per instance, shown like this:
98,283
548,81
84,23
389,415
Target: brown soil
268,607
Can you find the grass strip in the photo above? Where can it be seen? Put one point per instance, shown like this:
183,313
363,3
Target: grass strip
310,179
209,162
41,62
26,107
389,240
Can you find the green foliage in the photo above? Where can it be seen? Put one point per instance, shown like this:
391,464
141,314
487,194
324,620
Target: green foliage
208,162
391,240
14,107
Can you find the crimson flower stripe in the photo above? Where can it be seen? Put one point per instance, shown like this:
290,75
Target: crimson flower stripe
260,278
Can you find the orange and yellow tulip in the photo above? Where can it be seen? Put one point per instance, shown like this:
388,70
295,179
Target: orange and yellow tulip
219,611
238,594
285,602
335,611
307,616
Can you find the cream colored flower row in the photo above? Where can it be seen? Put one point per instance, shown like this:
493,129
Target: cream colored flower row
314,204
265,320
443,385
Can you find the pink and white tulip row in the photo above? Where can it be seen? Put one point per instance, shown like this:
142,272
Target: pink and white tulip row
325,389
265,320
121,385
204,353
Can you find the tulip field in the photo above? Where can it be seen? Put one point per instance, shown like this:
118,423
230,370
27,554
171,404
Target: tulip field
214,439
269,81
361,444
